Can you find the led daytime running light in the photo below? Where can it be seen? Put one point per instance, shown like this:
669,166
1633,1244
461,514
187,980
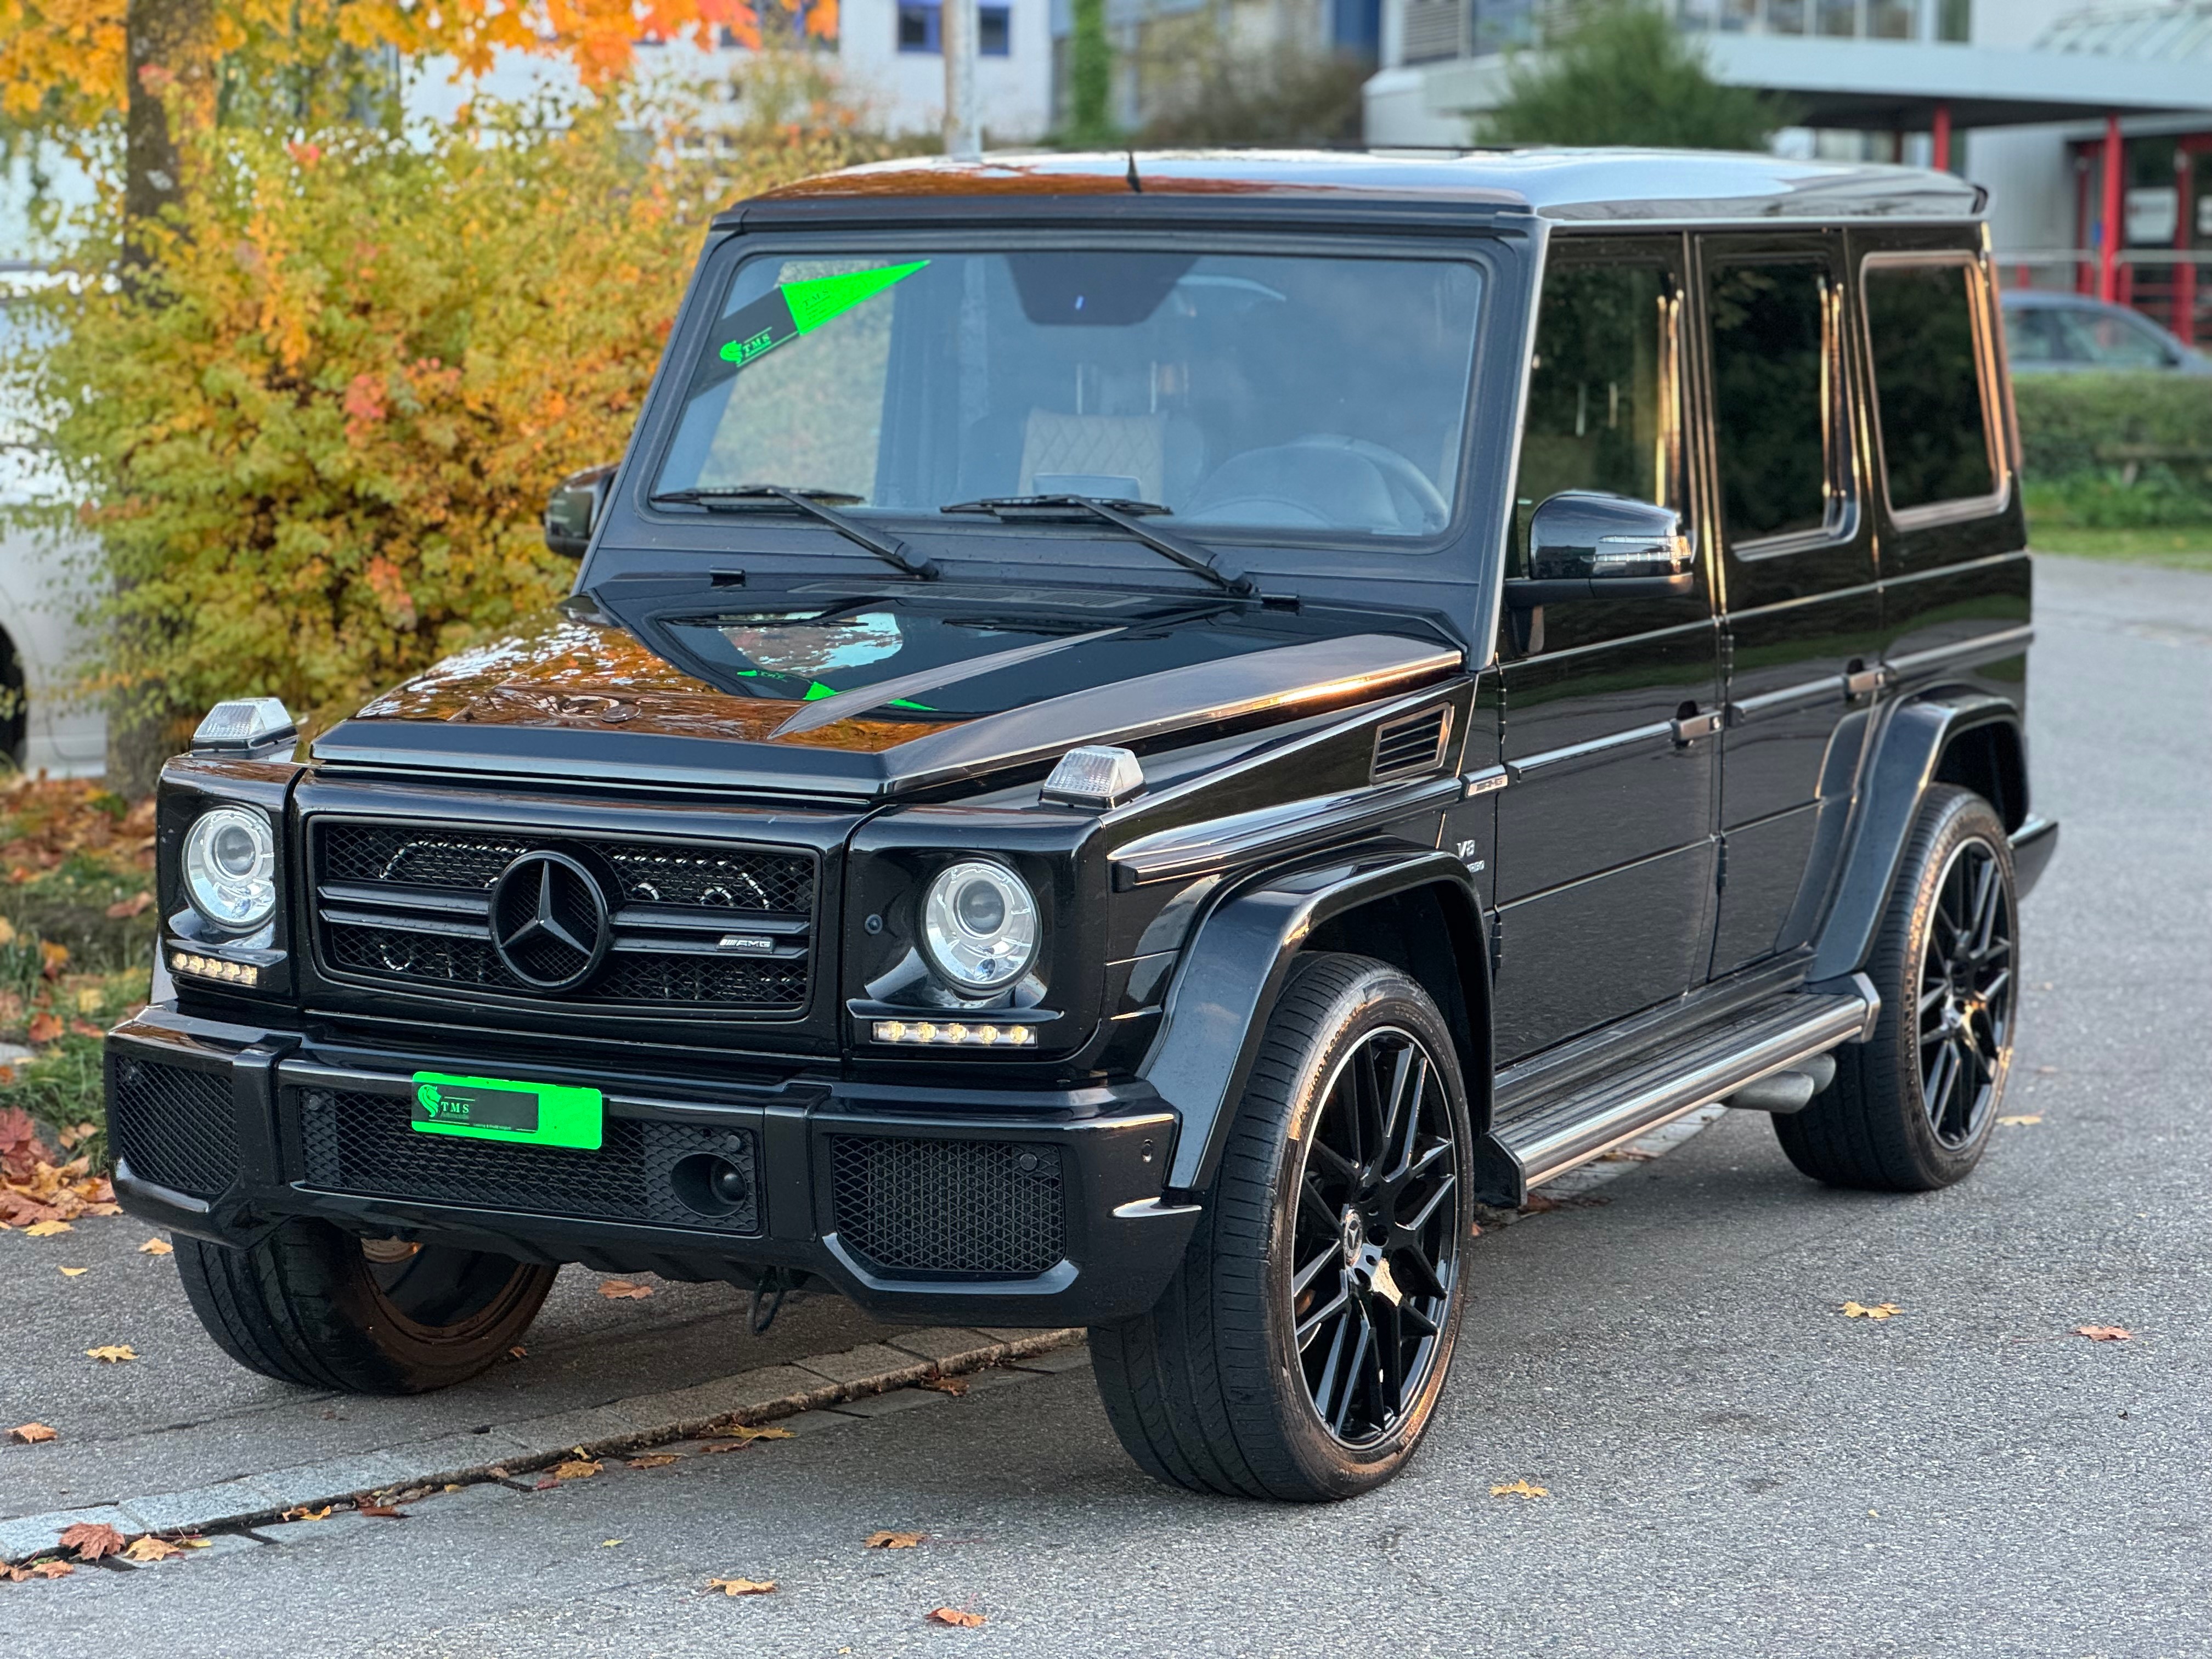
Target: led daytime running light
213,968
954,1033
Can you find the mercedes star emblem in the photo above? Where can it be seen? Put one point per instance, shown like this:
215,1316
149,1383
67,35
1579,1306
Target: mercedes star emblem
549,921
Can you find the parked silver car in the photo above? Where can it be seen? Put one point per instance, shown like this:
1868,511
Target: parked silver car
2057,333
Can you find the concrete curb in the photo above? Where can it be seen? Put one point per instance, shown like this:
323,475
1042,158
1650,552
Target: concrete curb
632,1424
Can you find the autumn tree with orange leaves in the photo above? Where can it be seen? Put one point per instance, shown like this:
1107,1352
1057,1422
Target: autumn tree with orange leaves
313,425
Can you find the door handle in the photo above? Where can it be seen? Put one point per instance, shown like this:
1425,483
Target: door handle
1688,728
1865,682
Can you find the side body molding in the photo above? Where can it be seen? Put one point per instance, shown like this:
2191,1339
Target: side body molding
1907,751
1226,985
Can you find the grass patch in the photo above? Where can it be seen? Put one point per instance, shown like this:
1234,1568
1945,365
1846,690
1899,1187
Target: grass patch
2177,548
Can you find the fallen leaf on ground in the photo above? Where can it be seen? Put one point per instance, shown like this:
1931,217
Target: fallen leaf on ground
45,1027
952,1385
1520,1489
620,1289
653,1460
609,1543
576,1468
2022,1120
48,1228
742,1586
303,1513
381,1511
91,1540
1627,1155
74,1273
2105,1333
1877,1310
133,906
52,957
114,1354
738,1437
40,1569
150,1548
103,1209
157,1247
77,1131
518,1351
193,1543
893,1540
959,1618
30,1433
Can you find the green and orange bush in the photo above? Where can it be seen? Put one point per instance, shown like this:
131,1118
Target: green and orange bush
314,441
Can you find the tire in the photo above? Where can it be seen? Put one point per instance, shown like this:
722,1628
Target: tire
1212,1389
307,1304
1911,1110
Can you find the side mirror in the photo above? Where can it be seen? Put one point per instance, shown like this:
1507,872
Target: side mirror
1586,546
573,510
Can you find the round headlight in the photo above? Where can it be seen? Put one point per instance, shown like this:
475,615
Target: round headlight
230,868
978,925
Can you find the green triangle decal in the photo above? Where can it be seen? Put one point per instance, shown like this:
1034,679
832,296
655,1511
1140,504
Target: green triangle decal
815,301
816,691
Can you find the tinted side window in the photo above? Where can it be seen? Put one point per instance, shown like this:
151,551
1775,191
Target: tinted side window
1602,397
1773,399
1928,383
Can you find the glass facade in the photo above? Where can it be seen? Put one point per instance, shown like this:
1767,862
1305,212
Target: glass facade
1863,20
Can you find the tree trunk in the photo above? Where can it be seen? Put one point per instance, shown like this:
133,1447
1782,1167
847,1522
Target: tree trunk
169,53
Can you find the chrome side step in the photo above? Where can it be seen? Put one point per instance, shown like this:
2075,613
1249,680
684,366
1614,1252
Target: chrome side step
1551,1132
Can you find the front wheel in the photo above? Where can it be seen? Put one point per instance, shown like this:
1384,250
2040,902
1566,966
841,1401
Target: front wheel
1300,1351
314,1304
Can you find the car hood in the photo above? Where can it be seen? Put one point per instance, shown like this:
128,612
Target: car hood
868,694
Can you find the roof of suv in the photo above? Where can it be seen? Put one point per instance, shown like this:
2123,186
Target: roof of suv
1580,184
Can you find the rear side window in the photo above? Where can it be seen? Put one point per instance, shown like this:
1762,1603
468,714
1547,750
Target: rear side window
1777,426
1928,383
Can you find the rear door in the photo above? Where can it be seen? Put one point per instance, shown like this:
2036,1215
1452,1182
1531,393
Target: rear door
1802,629
1604,850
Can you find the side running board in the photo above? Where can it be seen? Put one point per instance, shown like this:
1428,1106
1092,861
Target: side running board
1551,1132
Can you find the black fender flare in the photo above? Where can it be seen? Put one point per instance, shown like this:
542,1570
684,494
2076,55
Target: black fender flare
1908,750
1233,969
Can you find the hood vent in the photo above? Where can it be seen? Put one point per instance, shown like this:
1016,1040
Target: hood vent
1411,745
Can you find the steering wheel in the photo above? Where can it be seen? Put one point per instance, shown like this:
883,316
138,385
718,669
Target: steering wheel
1419,504
1401,474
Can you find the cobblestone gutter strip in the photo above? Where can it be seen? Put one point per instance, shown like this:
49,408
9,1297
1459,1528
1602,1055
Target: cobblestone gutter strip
629,1424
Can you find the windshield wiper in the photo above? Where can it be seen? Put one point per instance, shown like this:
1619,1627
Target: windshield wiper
1124,515
814,503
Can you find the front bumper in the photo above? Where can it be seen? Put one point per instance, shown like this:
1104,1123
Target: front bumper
922,1205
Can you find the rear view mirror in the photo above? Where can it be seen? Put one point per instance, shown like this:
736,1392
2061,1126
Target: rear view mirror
1585,545
573,510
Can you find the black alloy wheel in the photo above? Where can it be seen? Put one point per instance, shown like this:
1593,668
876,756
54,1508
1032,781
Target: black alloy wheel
1965,994
1911,1109
1375,1245
1300,1349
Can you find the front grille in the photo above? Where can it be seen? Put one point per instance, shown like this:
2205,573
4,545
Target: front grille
175,1126
363,1143
986,1209
693,924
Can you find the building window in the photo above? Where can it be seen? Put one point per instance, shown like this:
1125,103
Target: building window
1893,19
921,28
1837,17
1954,19
1785,16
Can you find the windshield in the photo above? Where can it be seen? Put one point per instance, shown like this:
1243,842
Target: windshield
1264,392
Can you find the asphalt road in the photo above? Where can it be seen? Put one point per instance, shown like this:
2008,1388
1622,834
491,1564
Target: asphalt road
1732,1467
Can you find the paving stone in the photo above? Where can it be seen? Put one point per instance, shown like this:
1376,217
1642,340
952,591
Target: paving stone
560,1431
872,1364
34,1532
202,1506
456,1455
950,1348
889,1405
815,1422
336,1477
996,1376
1059,1360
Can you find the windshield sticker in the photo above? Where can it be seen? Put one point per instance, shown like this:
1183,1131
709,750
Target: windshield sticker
797,309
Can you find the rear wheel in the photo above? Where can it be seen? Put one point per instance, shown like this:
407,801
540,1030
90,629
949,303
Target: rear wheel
1300,1351
314,1304
1911,1110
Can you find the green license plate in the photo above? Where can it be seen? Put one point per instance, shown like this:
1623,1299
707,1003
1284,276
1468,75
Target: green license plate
493,1108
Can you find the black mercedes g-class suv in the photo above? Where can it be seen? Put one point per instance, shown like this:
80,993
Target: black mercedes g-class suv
1135,736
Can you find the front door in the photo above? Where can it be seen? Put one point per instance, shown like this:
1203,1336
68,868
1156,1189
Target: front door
1804,623
1605,857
